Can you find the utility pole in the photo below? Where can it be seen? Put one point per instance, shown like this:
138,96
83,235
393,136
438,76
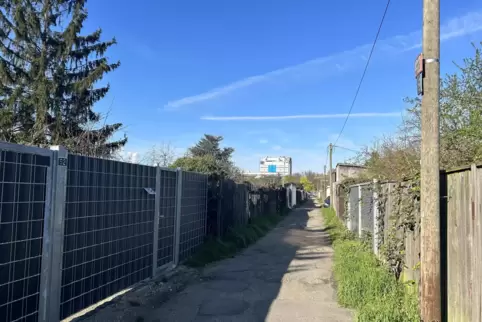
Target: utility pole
430,166
324,182
330,151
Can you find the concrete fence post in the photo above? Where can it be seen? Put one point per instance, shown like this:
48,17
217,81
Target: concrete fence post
157,215
53,236
293,195
360,211
334,200
376,224
177,236
348,213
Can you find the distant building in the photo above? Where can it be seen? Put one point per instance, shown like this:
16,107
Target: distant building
341,172
344,171
281,166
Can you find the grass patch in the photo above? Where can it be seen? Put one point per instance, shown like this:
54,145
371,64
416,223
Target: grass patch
237,239
364,283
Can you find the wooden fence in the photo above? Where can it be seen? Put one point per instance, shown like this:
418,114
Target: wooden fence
464,244
390,211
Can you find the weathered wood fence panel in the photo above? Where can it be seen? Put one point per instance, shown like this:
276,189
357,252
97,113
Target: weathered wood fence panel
477,259
411,270
464,241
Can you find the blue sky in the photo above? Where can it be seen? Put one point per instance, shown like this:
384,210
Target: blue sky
248,69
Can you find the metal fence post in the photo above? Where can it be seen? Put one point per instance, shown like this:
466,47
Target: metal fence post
376,226
177,236
295,202
207,208
157,215
219,210
359,211
53,238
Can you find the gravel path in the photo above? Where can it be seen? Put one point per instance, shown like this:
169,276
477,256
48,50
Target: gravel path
286,276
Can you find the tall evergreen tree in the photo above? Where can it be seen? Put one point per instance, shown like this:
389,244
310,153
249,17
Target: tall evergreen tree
207,156
47,75
210,145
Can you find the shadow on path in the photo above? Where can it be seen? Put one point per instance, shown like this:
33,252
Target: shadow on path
286,276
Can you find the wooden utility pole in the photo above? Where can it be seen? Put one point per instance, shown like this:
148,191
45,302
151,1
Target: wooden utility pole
324,182
430,303
330,151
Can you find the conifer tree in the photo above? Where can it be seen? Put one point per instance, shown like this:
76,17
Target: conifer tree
48,72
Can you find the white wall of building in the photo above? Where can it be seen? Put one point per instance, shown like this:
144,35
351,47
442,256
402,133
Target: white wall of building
275,166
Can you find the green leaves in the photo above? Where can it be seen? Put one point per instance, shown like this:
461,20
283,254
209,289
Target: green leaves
48,73
307,184
398,157
460,114
208,157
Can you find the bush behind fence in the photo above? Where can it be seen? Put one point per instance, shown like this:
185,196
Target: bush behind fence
75,229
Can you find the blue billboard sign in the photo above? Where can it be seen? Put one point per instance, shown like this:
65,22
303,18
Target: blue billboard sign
272,168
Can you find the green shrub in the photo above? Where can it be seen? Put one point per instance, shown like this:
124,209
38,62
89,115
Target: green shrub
364,283
335,227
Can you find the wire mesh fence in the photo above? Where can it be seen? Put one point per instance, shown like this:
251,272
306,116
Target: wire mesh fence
193,212
167,217
24,183
108,230
232,206
75,230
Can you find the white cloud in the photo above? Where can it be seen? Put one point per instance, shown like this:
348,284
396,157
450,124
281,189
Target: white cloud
301,116
456,27
132,157
263,141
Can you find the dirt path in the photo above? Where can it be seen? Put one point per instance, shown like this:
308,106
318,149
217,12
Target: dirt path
286,276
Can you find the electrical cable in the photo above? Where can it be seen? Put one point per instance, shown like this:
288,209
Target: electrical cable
364,71
341,147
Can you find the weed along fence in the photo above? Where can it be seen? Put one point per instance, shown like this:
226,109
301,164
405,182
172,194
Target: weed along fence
388,216
75,230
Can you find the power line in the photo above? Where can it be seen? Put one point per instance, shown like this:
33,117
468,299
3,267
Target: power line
364,71
341,147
